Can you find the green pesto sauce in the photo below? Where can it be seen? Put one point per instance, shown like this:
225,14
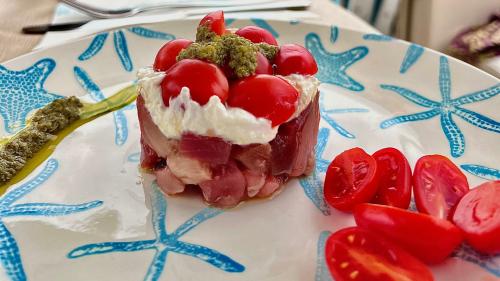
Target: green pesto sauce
24,152
238,53
42,127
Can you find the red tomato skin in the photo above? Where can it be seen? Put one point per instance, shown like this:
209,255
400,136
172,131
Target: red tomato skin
344,246
292,58
478,215
215,20
438,185
167,55
430,239
394,178
257,35
202,78
263,67
265,96
336,181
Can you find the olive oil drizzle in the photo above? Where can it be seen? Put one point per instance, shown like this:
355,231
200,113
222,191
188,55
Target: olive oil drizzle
88,112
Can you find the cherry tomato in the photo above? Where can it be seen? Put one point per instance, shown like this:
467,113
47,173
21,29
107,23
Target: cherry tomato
350,179
215,21
257,35
428,238
478,215
167,55
394,178
357,254
202,78
265,96
438,185
292,58
263,67
149,158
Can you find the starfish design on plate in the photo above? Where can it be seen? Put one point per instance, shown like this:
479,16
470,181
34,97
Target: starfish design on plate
332,67
482,171
120,44
326,115
10,256
446,108
23,91
313,184
165,242
322,273
119,118
491,263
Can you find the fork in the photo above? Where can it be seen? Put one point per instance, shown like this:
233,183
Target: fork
128,12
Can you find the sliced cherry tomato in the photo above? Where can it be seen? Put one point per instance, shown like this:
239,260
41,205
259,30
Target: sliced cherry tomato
257,35
426,237
202,78
394,178
357,254
215,21
293,58
149,158
438,185
478,215
167,55
350,179
265,96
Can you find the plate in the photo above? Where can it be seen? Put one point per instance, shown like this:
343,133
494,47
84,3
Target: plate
88,214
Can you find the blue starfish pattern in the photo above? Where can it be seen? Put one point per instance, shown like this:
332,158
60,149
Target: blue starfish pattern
377,37
10,257
134,157
491,263
119,118
165,242
334,34
313,184
120,44
482,171
325,114
413,53
333,66
446,108
322,272
23,91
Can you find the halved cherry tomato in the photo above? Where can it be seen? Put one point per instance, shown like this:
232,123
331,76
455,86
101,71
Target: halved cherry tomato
357,254
292,58
257,35
350,179
167,55
394,178
426,237
438,185
202,78
265,96
478,215
215,21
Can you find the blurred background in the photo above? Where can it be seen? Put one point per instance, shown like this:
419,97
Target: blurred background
468,30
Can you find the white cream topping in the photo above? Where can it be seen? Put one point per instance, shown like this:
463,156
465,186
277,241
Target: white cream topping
214,118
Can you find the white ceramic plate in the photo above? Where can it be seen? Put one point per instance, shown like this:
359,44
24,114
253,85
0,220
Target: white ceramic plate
377,92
